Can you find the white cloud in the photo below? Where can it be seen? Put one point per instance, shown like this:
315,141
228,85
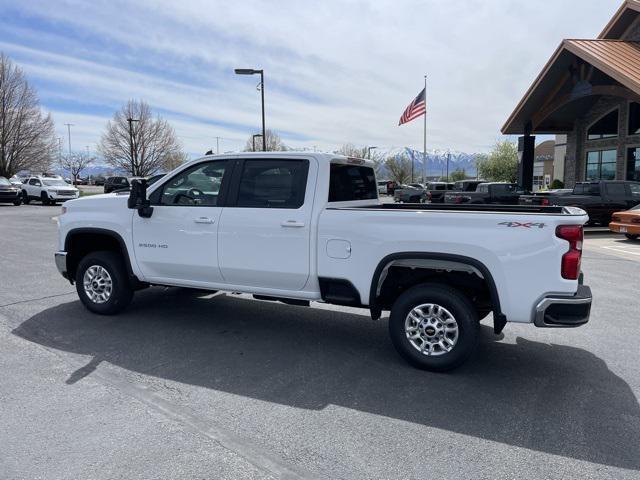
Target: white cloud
336,71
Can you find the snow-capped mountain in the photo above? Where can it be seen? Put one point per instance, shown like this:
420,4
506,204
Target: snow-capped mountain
436,160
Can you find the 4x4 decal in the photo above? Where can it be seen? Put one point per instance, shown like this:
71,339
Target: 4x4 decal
524,225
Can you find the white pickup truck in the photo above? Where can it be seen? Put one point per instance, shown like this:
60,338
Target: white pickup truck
301,227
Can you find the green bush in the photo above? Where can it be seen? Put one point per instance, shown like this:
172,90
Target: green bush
556,184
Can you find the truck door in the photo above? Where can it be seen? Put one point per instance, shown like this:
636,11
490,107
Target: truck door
616,199
179,241
264,232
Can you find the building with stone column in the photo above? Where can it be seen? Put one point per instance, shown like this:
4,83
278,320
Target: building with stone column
588,94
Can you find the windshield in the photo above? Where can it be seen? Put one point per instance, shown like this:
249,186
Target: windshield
54,182
4,181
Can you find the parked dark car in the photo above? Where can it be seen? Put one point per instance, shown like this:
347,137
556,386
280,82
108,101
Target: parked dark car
600,199
467,185
9,193
496,193
111,184
98,181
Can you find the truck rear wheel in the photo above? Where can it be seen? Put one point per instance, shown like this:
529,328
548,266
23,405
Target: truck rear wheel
103,284
434,327
631,236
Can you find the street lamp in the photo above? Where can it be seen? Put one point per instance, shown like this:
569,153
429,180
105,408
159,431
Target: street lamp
253,140
251,71
369,151
133,163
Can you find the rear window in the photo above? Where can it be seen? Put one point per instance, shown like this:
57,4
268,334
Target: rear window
504,188
351,182
616,189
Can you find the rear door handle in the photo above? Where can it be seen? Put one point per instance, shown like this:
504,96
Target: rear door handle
292,224
203,220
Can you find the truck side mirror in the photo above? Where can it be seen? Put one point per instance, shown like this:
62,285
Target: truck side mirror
138,198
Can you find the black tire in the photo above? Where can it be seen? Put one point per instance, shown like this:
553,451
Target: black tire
44,198
631,237
121,288
457,305
25,197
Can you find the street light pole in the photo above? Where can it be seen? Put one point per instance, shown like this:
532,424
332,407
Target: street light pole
252,71
264,136
369,151
253,140
133,158
69,125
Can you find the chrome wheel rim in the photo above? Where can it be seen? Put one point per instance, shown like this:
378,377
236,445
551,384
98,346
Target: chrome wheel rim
431,329
97,284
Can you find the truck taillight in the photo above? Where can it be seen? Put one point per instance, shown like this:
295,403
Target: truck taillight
573,234
545,202
428,195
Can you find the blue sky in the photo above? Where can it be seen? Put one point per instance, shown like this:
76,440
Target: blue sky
336,72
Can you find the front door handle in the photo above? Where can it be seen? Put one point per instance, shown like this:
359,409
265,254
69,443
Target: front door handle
292,224
203,220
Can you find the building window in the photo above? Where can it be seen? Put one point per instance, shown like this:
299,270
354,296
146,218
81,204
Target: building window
633,164
601,165
634,118
606,127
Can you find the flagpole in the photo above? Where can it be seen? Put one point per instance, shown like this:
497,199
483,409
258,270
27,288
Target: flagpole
424,151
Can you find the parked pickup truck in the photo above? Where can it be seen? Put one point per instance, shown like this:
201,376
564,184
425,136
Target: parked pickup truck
412,193
495,193
599,199
300,227
435,191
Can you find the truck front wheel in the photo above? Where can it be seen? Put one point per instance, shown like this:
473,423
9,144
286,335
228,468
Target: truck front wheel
434,327
102,283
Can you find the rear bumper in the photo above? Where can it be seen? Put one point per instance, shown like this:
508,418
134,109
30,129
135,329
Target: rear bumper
619,227
555,312
61,263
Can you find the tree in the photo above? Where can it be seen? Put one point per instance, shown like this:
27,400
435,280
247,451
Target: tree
27,136
154,147
399,167
350,150
502,163
75,163
274,143
458,175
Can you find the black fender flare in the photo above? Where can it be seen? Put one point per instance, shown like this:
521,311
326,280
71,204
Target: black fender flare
103,232
499,319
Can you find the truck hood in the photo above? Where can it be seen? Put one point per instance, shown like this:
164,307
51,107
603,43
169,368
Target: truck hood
105,201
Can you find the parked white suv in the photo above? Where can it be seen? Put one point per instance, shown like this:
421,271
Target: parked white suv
300,227
48,190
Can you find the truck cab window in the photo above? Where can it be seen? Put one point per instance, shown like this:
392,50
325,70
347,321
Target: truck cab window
273,184
351,182
196,186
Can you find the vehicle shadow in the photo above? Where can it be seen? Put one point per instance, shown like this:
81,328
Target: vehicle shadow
548,398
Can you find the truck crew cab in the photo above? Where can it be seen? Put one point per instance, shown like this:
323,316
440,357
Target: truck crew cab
301,227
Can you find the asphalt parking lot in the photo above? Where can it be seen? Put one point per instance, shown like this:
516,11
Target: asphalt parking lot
189,385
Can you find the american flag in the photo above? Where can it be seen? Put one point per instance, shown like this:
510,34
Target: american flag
415,109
